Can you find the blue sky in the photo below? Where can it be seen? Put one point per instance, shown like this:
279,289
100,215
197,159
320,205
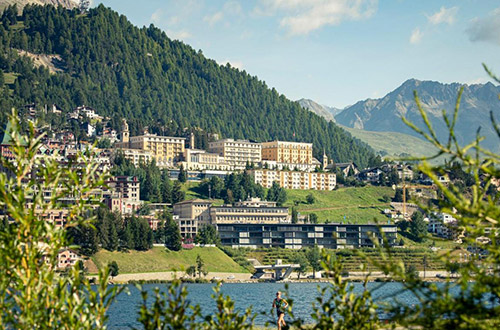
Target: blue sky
335,52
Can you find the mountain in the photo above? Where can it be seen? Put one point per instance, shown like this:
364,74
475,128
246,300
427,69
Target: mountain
393,144
21,3
321,110
142,75
384,114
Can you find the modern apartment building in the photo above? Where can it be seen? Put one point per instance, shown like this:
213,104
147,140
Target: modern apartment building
298,236
295,179
237,153
287,152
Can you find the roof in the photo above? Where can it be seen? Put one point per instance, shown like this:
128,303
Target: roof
7,138
194,201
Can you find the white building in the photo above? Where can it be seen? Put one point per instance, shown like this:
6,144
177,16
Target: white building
237,153
295,179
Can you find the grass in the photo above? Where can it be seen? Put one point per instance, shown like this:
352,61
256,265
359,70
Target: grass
393,143
10,77
358,205
190,188
159,259
352,262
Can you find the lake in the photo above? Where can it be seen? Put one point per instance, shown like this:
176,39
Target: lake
123,312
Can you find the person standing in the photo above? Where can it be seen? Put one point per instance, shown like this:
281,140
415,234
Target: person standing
281,305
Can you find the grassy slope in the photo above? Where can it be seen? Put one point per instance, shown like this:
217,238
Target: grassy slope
159,259
393,143
359,205
190,189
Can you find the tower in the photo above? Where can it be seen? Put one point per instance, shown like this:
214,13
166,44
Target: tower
325,159
191,140
125,133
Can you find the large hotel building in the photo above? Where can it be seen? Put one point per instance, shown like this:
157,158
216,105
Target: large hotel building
295,179
237,153
288,152
166,150
255,224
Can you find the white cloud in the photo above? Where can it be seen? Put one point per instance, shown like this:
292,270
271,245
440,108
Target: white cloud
444,15
486,29
235,64
156,16
416,36
300,17
212,19
179,35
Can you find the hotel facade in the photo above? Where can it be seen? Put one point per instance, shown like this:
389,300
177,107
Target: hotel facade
237,153
295,179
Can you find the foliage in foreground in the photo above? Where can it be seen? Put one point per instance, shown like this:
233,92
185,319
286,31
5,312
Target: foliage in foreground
32,295
31,288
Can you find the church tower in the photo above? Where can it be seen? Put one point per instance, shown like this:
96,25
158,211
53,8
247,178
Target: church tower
191,140
325,159
125,133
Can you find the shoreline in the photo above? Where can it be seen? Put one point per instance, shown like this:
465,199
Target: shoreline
226,277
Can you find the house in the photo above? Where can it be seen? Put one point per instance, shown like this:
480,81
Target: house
67,258
371,175
345,168
89,129
443,225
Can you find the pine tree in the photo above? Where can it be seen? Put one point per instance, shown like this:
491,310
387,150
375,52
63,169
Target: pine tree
173,239
178,195
418,227
182,174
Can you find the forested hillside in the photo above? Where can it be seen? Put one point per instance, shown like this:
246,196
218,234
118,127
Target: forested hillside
140,74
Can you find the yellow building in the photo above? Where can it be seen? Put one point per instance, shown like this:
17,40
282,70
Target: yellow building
288,152
166,150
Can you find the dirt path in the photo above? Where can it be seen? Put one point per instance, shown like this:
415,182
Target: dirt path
167,276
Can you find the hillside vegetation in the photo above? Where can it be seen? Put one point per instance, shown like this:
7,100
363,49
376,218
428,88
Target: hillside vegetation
160,259
393,144
142,75
358,205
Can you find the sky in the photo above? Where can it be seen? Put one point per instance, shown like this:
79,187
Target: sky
335,52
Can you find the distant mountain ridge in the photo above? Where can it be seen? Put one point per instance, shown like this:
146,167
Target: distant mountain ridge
321,110
384,114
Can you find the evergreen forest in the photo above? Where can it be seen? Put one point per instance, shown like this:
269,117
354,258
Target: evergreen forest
123,71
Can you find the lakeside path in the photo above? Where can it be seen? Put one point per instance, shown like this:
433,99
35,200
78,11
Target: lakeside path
168,276
237,277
